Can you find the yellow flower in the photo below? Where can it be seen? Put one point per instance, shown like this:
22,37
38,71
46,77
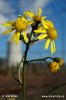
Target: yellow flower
49,33
19,25
50,37
59,60
36,17
54,66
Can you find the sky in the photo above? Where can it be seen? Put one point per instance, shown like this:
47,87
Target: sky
55,10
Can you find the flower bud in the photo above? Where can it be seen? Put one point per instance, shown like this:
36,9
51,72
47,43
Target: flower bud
54,66
59,60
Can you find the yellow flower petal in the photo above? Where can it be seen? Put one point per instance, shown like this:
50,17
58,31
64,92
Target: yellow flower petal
7,24
29,22
25,37
47,44
49,23
29,13
40,31
43,36
42,20
7,31
52,48
44,24
23,18
13,37
39,11
17,37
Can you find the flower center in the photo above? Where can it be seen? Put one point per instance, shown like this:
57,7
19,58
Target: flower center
37,18
52,34
20,25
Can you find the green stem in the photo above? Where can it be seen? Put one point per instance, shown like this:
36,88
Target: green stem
23,72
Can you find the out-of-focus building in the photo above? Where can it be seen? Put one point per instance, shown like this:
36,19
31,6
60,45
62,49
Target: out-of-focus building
13,54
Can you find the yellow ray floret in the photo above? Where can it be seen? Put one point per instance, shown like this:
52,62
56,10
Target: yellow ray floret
25,37
15,37
43,36
40,31
47,24
39,12
8,24
52,43
47,44
7,31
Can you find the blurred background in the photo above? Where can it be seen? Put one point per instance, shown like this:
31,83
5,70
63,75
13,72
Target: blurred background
10,54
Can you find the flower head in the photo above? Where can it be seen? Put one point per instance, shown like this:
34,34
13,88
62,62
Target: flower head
49,33
36,17
19,26
54,66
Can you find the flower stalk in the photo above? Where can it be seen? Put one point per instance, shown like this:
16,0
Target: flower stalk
23,72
